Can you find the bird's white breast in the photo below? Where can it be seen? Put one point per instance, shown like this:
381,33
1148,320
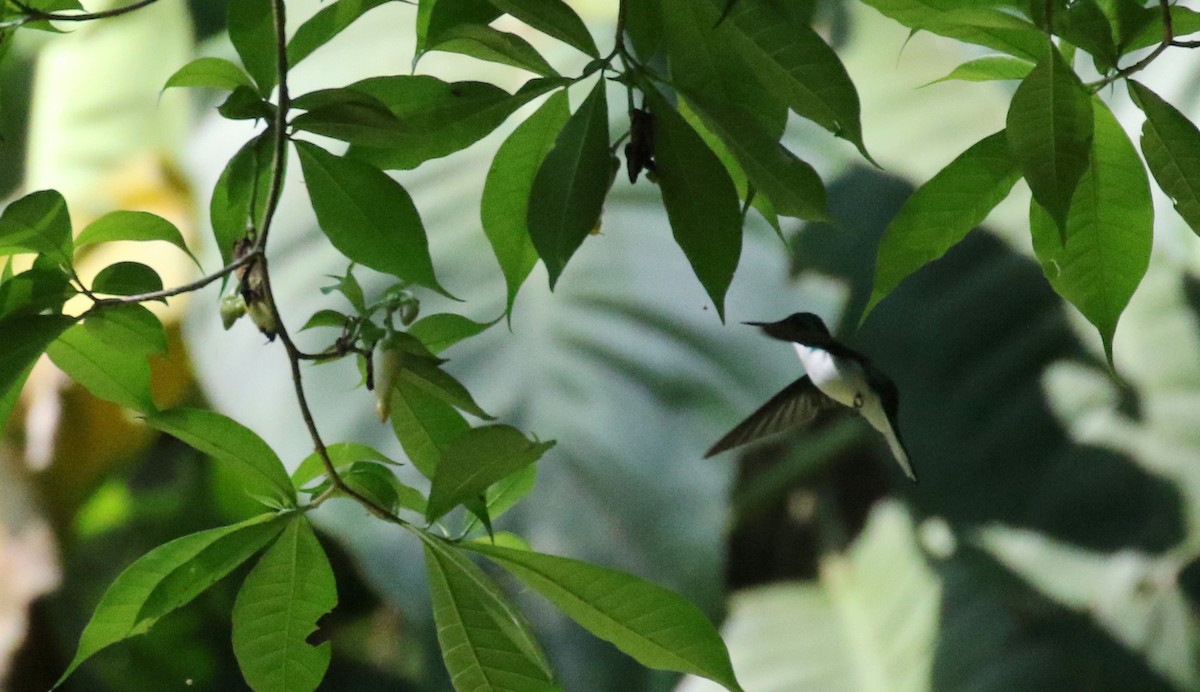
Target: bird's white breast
841,380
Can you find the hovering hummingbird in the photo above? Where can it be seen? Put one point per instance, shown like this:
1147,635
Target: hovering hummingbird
836,376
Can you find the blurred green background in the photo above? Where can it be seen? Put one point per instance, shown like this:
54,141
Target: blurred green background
1048,545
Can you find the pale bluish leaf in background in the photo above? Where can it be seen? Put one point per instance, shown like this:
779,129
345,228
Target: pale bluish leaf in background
869,623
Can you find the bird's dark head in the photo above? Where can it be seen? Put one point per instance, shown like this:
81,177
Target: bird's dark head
801,327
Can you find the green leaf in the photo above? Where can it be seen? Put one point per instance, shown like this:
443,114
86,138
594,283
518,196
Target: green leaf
504,209
644,27
475,460
1141,27
43,287
341,454
130,328
435,18
326,318
25,339
656,627
37,223
569,189
166,579
243,103
240,197
794,187
1109,231
276,612
969,22
792,61
114,374
324,25
553,18
988,68
504,494
132,225
441,117
252,30
486,643
1171,145
424,423
441,331
211,73
253,462
941,213
127,279
490,44
700,199
349,115
1086,26
426,375
1049,128
368,216
381,486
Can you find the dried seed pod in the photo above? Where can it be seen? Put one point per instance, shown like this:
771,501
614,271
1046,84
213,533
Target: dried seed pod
387,367
639,152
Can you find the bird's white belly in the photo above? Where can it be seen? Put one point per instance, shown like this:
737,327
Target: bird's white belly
842,381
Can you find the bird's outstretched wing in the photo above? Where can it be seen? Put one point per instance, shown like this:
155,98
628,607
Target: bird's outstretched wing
796,405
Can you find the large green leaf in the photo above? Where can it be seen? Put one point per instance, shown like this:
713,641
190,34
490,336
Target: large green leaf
276,612
569,189
38,222
167,578
795,63
970,22
700,198
1049,128
485,642
435,18
127,279
239,198
349,115
251,460
1171,145
341,454
43,287
476,459
132,225
488,43
421,373
440,117
213,73
442,330
1108,231
989,68
26,338
367,216
130,328
553,18
653,625
424,423
319,29
252,30
109,372
943,211
504,209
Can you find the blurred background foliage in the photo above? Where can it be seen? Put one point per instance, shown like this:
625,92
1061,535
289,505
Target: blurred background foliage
1048,545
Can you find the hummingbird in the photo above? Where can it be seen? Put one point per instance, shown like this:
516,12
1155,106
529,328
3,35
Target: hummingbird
836,376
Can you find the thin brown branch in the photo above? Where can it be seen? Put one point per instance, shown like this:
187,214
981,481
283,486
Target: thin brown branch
279,17
196,285
33,14
1168,40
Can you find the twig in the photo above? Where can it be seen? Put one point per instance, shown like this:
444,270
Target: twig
33,14
196,285
279,16
295,356
1168,40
